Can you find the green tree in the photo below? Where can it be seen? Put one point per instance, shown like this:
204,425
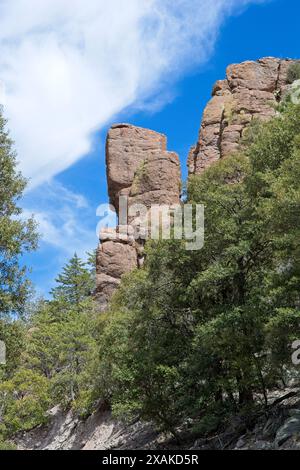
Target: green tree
57,364
75,283
12,333
17,234
91,265
24,401
63,348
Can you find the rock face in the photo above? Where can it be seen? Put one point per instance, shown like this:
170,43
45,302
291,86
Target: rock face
140,168
250,90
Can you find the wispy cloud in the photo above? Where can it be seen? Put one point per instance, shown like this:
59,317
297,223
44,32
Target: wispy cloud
66,221
69,66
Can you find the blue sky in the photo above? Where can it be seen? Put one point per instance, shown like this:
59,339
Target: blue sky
166,87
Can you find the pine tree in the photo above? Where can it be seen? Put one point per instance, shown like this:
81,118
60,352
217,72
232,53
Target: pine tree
75,283
91,264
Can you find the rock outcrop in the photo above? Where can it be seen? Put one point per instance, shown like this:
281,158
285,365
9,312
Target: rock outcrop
140,168
114,258
250,90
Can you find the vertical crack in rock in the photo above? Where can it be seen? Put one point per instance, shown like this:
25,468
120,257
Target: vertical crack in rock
223,124
277,87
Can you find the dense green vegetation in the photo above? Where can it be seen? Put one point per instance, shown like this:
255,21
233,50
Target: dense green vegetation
51,345
194,336
57,360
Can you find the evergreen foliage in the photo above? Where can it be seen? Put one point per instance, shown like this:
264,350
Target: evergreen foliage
17,234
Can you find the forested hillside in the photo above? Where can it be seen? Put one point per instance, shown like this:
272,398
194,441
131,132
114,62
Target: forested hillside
192,338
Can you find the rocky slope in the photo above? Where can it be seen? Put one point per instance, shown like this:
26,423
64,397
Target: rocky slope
276,428
65,431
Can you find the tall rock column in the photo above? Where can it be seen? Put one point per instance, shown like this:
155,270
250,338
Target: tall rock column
250,90
140,168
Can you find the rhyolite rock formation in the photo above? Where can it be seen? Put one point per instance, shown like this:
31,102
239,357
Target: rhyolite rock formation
114,258
251,90
140,167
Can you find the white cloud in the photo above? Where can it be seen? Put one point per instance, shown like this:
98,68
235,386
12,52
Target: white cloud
70,65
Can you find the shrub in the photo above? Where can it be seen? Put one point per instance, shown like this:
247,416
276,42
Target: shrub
7,445
24,401
293,73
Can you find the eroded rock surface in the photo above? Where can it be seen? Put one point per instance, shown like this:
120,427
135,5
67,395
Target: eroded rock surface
115,257
250,90
140,167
